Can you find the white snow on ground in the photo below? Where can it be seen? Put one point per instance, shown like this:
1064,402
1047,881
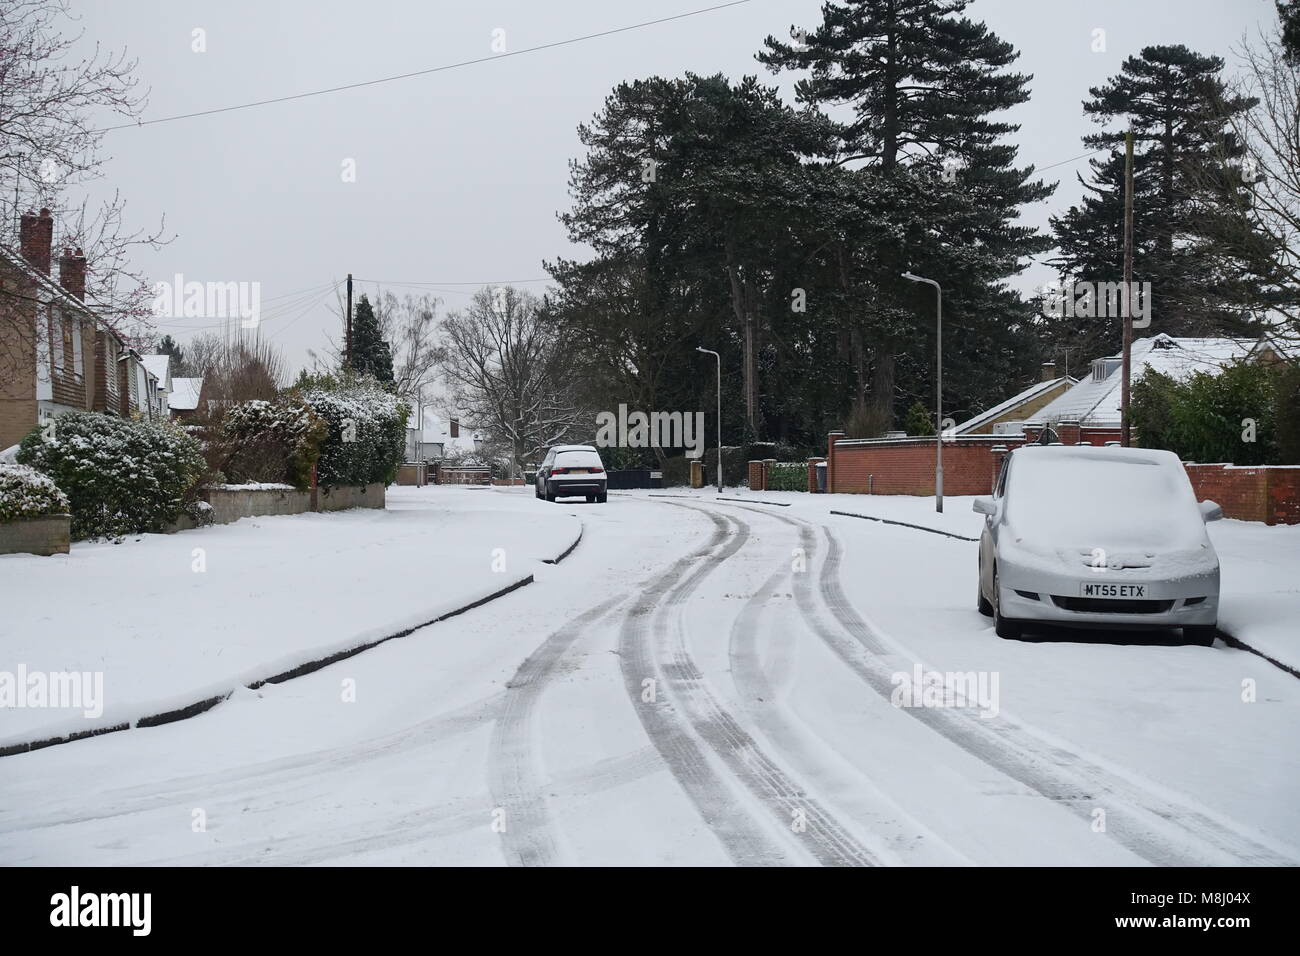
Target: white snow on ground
1260,586
276,592
525,731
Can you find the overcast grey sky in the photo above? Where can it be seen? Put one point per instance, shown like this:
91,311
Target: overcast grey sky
460,174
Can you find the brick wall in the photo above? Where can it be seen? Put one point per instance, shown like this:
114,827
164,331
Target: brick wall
1267,493
905,466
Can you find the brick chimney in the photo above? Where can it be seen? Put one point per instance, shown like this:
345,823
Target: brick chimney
72,273
35,235
454,426
1049,371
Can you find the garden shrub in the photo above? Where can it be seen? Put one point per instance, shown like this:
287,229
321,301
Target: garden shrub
787,476
26,493
366,438
276,441
121,476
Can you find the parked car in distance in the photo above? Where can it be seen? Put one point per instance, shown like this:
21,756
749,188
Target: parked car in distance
1097,537
568,471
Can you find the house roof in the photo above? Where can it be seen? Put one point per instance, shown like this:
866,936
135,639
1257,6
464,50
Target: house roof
437,430
185,394
159,367
1097,401
1033,391
64,297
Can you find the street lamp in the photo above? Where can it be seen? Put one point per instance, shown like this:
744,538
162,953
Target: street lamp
719,358
938,391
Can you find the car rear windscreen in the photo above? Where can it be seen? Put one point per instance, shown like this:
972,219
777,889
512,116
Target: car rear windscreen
577,459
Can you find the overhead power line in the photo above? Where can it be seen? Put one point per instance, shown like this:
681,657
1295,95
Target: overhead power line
436,69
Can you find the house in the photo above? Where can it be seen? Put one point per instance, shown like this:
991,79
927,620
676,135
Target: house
1008,417
186,398
48,335
1095,401
159,366
434,438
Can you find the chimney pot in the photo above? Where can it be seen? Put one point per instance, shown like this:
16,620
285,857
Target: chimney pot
35,238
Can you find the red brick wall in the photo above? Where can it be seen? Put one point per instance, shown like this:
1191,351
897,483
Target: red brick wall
906,467
756,475
1269,493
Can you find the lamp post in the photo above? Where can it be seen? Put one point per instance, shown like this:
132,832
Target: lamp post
938,390
719,358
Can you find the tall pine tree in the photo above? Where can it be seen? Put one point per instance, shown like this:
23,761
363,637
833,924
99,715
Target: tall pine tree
370,353
1185,166
924,84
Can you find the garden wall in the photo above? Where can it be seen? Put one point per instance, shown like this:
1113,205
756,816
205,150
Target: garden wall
232,502
46,535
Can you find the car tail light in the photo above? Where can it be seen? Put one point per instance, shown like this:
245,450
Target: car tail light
597,471
559,471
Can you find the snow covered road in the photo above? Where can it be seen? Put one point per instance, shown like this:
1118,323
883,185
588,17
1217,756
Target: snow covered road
704,682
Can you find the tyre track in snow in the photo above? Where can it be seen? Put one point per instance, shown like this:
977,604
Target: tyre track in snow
796,741
454,817
515,769
1155,827
653,642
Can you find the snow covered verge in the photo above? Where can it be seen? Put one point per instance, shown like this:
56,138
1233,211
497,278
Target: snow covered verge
172,620
1259,589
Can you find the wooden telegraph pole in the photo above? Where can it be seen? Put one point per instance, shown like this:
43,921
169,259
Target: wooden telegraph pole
1128,288
347,363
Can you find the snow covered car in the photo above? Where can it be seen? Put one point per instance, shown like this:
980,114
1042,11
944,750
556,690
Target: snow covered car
571,470
1097,537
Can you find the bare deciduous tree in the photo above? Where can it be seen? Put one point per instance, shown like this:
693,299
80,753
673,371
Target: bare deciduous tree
51,102
503,365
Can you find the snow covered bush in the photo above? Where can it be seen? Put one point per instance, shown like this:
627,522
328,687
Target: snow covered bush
26,493
120,476
367,429
276,441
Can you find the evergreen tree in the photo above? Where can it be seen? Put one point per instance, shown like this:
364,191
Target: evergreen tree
370,353
176,361
1186,167
922,82
1288,12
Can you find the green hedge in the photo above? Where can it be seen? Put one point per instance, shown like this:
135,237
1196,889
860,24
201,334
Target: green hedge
366,441
26,493
787,476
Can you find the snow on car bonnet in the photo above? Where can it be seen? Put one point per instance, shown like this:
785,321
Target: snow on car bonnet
1102,497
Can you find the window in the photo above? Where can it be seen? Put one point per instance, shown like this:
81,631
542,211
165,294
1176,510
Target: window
57,337
74,332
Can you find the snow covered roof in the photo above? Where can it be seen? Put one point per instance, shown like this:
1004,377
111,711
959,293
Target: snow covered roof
437,430
1096,399
185,393
1033,391
159,367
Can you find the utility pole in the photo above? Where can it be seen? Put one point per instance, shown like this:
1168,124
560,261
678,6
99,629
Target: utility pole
938,387
347,363
719,360
1128,288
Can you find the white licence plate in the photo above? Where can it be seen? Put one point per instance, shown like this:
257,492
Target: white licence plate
577,471
1099,589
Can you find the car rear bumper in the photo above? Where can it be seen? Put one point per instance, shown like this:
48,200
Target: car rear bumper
563,489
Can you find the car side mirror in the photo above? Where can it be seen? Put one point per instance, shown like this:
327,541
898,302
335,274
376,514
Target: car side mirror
984,506
1210,511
